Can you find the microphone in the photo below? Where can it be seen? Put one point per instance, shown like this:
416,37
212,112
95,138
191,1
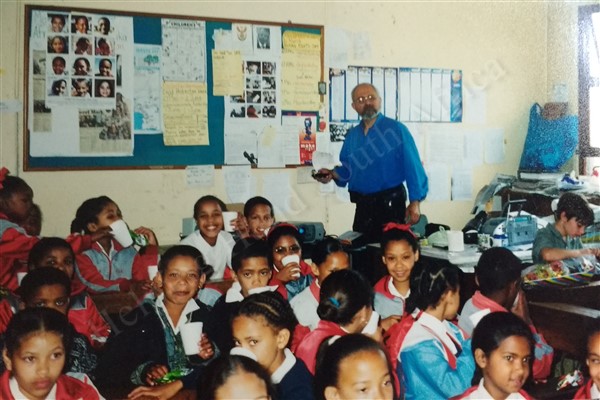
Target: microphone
250,157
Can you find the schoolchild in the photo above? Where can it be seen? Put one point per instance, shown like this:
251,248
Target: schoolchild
328,256
51,288
260,217
16,204
435,359
83,314
41,336
400,251
293,277
502,346
150,345
108,266
213,242
346,306
252,271
264,324
235,377
591,390
353,367
498,275
563,238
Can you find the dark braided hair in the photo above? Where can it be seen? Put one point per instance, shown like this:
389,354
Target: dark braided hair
88,213
272,307
428,283
343,294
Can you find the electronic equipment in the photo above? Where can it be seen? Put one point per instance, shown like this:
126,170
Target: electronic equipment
517,228
310,232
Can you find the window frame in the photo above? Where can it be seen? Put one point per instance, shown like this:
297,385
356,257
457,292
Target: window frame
585,80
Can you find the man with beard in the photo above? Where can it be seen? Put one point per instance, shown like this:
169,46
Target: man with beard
378,156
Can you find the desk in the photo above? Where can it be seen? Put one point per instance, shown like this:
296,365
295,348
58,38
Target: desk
466,260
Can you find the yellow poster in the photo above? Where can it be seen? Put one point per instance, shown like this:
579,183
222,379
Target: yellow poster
228,74
300,76
185,114
302,42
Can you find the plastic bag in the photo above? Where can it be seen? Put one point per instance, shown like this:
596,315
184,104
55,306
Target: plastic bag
549,143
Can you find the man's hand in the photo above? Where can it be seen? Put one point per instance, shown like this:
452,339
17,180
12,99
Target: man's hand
324,175
413,212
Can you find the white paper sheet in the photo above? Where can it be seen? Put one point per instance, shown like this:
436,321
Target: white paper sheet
462,183
270,146
473,148
445,145
277,188
237,183
439,182
200,176
494,146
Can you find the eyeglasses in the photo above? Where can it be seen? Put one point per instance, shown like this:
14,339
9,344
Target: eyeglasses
294,249
364,99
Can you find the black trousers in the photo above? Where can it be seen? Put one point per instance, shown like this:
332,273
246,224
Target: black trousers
375,210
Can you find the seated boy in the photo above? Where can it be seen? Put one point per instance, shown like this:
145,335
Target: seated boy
252,270
562,239
498,275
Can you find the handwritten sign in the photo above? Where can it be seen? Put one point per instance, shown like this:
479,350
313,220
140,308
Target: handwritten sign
228,74
302,42
185,114
300,75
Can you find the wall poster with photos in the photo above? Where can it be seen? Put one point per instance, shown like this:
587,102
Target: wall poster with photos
103,88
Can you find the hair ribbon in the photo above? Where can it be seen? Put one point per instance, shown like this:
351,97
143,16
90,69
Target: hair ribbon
335,302
394,225
3,172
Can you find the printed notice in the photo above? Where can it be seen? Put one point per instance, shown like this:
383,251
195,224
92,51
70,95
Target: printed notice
228,76
300,77
185,114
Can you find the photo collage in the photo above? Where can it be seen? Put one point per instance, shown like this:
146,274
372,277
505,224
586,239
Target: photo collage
81,62
260,92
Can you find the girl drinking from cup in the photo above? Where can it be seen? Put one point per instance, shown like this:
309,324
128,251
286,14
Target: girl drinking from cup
149,356
502,345
328,256
353,367
36,344
111,266
291,273
264,325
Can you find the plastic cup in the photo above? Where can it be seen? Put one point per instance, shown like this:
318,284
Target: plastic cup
292,258
152,271
20,276
190,336
455,241
120,232
228,216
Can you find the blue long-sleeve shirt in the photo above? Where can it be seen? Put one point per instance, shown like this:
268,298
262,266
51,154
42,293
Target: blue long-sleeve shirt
382,159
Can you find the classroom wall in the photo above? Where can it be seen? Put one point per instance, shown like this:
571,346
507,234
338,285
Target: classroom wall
502,48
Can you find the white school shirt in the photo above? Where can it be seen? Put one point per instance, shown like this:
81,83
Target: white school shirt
13,386
482,394
285,367
217,256
189,307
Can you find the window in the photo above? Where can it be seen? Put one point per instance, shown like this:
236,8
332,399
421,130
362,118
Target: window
589,80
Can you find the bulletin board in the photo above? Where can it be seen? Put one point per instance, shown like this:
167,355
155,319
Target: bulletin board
98,121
